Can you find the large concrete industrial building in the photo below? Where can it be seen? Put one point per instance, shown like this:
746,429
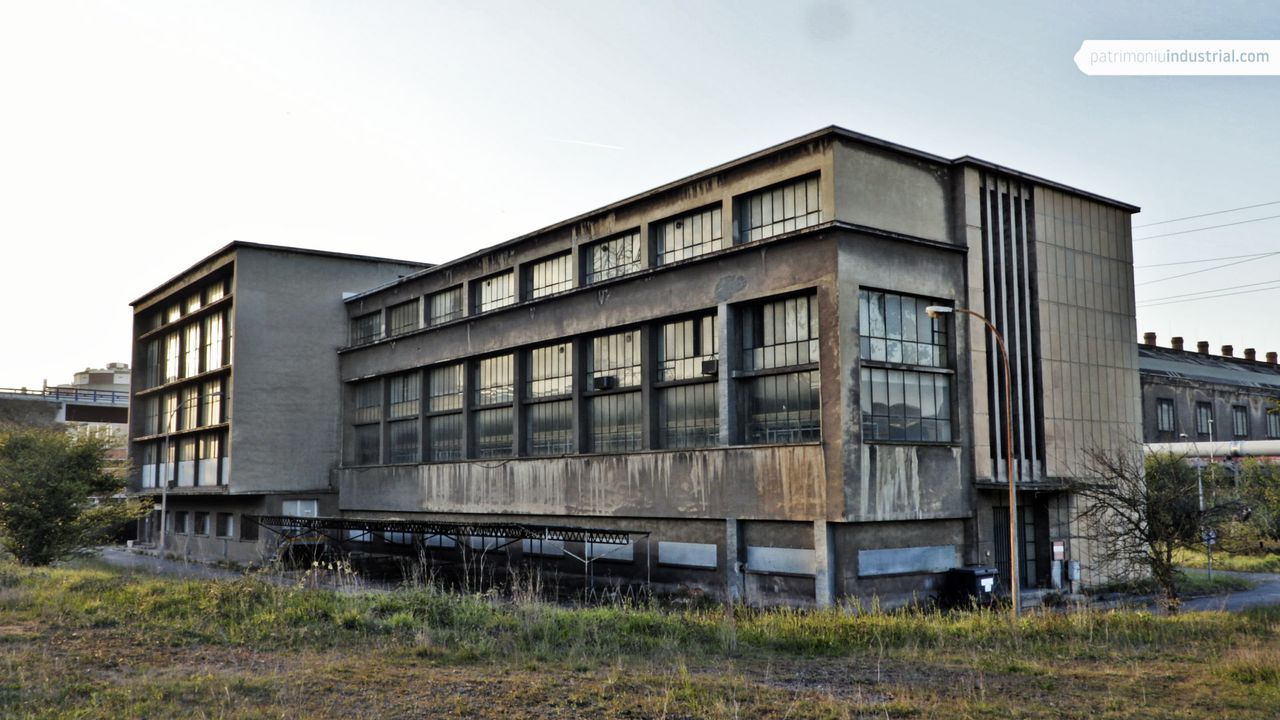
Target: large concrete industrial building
734,373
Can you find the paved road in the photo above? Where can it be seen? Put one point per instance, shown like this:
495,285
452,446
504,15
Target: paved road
1265,592
132,560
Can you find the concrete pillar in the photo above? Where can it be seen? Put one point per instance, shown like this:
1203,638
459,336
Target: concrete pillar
735,559
519,373
648,395
726,397
824,567
581,346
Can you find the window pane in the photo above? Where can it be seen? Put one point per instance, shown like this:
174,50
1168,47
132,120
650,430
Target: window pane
905,405
689,236
615,422
493,432
683,347
550,371
896,329
495,291
494,383
366,328
780,334
616,357
613,258
368,401
446,388
551,276
550,428
446,305
404,437
405,391
403,318
688,416
446,437
367,444
786,208
782,408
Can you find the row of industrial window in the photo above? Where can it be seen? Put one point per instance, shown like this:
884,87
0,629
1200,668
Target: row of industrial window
1166,419
179,309
785,208
197,347
392,422
197,460
184,522
199,404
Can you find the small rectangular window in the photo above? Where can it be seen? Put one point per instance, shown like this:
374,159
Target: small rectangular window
613,258
215,292
446,305
1240,421
446,388
1273,424
494,382
687,236
615,361
550,372
778,210
366,328
446,436
1164,415
368,401
403,441
180,521
368,444
404,392
226,525
201,524
493,429
1204,418
403,318
550,276
495,291
550,428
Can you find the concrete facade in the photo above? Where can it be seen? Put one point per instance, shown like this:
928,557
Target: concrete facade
819,437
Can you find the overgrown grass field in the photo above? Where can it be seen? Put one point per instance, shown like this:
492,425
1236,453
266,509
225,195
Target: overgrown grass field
88,641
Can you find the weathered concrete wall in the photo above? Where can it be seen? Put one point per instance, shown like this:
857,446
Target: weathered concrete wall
901,194
912,482
286,394
779,482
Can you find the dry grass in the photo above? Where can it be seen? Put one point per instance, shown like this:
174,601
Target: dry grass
87,642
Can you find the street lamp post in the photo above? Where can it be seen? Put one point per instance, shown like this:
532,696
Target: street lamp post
934,311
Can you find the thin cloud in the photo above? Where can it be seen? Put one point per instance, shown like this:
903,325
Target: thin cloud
588,144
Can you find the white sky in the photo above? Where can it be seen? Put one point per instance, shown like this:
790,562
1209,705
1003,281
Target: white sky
138,137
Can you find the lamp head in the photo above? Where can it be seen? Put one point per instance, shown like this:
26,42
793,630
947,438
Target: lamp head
934,311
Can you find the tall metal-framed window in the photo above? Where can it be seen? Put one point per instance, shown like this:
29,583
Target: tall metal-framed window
1273,425
189,407
404,393
547,395
1240,421
367,423
444,412
614,411
403,318
613,258
172,356
1204,418
687,236
212,340
779,389
191,349
688,367
211,403
495,291
444,306
777,210
153,372
215,292
550,276
1165,421
492,417
366,328
906,382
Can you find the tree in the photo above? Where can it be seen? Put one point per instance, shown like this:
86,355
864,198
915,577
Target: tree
56,493
1142,512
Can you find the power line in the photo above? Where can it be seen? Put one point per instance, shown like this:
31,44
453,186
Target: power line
1205,270
1208,227
1215,212
1201,260
1150,300
1211,297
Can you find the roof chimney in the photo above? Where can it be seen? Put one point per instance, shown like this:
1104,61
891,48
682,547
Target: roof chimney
1271,358
1149,338
1251,355
1202,347
1227,351
1176,342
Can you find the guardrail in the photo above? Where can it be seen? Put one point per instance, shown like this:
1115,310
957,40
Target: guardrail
72,395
